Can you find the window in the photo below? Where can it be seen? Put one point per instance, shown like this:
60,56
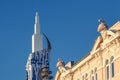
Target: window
107,70
82,77
106,62
92,75
112,66
96,76
86,76
112,69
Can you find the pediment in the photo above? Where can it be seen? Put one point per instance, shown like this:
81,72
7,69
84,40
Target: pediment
116,26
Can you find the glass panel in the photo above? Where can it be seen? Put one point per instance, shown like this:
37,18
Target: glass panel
92,77
106,62
107,72
92,72
96,76
95,69
111,58
112,69
86,75
82,77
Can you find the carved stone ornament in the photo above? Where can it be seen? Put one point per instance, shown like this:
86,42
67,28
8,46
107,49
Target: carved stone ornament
102,25
60,63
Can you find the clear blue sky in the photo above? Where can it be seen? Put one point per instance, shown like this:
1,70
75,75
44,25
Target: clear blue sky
71,26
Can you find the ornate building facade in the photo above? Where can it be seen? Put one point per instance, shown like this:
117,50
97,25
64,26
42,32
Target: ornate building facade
103,61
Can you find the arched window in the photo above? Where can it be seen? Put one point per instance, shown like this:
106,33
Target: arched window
86,76
92,75
96,75
83,77
107,70
112,66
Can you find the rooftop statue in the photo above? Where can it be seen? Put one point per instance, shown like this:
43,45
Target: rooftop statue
61,65
102,25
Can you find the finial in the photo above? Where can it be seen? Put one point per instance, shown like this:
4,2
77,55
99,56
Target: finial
36,13
101,21
60,63
60,60
37,18
102,25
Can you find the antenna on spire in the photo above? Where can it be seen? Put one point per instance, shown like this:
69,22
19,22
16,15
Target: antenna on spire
37,18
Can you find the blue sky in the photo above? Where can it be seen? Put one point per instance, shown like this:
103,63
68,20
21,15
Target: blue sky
71,26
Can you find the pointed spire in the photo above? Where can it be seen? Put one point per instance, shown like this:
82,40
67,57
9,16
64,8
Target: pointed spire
37,25
37,42
37,18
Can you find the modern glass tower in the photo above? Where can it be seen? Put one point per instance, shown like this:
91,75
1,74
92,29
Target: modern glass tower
37,67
